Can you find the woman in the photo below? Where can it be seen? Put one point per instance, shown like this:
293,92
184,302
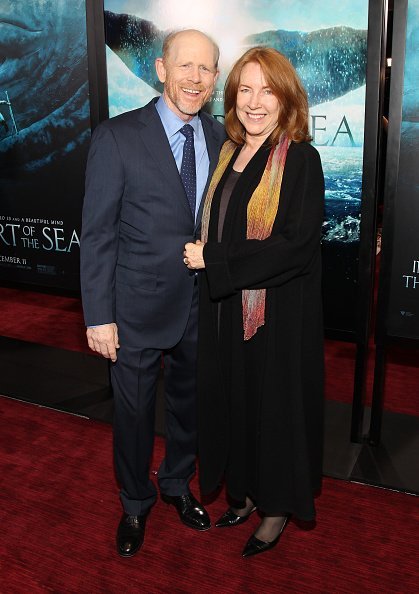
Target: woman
260,369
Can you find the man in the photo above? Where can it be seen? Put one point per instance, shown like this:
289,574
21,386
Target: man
142,204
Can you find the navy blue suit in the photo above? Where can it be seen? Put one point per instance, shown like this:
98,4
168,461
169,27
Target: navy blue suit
136,220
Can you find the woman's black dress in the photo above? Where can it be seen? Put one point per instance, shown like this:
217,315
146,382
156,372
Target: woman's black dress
260,401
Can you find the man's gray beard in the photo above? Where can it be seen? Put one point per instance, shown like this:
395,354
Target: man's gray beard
189,112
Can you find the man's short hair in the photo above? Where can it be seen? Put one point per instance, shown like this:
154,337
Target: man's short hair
170,38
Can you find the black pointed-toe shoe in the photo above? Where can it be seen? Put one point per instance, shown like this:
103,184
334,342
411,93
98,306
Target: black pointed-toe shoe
254,546
190,511
130,534
229,518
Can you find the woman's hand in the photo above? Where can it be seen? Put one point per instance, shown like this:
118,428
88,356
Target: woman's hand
193,255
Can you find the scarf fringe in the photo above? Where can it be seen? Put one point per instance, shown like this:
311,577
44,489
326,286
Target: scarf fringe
261,213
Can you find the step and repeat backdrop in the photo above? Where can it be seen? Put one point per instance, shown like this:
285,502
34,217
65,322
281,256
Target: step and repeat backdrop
44,137
402,318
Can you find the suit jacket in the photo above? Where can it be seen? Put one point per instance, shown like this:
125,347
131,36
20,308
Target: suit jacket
136,220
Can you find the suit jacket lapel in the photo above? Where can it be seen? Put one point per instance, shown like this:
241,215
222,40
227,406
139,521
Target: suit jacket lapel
155,140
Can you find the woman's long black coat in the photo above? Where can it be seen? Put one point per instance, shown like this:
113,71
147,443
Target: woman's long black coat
260,401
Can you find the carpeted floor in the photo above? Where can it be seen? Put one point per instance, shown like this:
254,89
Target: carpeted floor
58,321
51,320
59,511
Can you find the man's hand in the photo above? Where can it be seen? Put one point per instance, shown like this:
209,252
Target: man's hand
104,340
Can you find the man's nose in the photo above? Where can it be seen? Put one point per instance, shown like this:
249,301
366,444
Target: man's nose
195,74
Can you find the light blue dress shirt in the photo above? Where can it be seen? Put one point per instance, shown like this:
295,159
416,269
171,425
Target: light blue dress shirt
172,124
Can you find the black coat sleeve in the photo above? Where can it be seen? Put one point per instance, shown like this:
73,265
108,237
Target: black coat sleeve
295,240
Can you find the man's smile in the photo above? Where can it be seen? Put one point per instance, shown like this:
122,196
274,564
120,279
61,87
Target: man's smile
191,91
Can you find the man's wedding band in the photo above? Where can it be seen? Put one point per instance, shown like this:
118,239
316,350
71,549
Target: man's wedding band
185,260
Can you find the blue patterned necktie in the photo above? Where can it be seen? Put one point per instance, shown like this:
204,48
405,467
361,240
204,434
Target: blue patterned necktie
187,169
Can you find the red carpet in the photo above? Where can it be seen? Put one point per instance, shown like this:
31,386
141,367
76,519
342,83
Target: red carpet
50,320
59,511
58,322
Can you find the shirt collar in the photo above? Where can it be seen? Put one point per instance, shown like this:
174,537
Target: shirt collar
171,122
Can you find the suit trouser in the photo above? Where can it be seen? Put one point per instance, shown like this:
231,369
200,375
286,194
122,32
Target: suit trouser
134,381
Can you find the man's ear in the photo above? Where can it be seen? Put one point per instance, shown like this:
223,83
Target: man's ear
217,74
160,69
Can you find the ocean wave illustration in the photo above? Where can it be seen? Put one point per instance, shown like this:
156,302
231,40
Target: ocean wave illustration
344,230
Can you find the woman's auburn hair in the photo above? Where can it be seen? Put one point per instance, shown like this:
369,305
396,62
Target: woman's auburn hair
285,84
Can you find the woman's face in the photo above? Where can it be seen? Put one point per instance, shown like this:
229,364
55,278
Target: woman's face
256,106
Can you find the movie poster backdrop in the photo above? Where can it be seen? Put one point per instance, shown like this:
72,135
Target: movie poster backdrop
403,312
44,137
327,44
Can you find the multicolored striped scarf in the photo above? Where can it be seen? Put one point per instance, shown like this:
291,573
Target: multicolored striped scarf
261,213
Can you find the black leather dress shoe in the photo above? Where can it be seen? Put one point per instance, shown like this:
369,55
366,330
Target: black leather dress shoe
254,546
190,511
229,518
130,535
